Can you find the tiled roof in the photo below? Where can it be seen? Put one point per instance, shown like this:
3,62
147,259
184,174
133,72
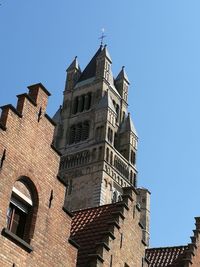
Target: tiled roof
88,228
166,257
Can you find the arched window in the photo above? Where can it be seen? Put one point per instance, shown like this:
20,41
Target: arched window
107,154
22,210
117,111
87,101
131,177
72,134
123,116
85,132
115,140
111,157
111,136
135,180
132,157
78,133
108,135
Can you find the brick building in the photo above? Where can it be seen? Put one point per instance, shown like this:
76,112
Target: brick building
34,228
69,194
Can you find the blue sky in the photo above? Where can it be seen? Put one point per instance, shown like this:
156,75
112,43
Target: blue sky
158,41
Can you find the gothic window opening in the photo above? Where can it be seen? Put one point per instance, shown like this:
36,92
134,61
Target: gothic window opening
21,213
107,154
87,101
117,111
131,177
85,133
79,132
132,157
111,158
135,180
82,103
110,135
123,116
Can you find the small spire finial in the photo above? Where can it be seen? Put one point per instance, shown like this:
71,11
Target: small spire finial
102,36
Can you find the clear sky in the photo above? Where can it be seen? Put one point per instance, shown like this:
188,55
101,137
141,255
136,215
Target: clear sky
158,41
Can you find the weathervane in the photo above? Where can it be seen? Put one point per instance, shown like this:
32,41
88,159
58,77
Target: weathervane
102,35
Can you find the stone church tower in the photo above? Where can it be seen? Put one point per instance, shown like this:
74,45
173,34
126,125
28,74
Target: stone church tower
95,134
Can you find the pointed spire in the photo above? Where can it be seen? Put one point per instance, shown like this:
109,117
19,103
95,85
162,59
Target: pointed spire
129,125
122,75
74,65
105,53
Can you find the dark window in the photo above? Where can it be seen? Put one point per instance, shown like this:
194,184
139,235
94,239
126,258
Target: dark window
21,213
135,180
111,157
87,101
107,154
117,111
132,157
85,133
100,153
16,218
131,177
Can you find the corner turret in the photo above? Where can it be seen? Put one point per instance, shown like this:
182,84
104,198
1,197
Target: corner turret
103,67
73,74
122,83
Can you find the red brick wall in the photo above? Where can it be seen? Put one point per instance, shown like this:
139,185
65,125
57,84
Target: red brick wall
127,247
29,153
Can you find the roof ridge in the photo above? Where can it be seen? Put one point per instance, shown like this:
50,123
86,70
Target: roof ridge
181,246
98,207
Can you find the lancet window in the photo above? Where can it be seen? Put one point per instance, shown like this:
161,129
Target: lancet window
79,132
82,103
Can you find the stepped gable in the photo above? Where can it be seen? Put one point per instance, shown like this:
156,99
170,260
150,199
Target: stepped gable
165,256
89,227
180,256
96,230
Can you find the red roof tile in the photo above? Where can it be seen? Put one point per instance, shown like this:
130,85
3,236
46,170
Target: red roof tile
165,257
89,227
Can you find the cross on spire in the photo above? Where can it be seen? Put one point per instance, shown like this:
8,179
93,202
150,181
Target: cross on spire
102,35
